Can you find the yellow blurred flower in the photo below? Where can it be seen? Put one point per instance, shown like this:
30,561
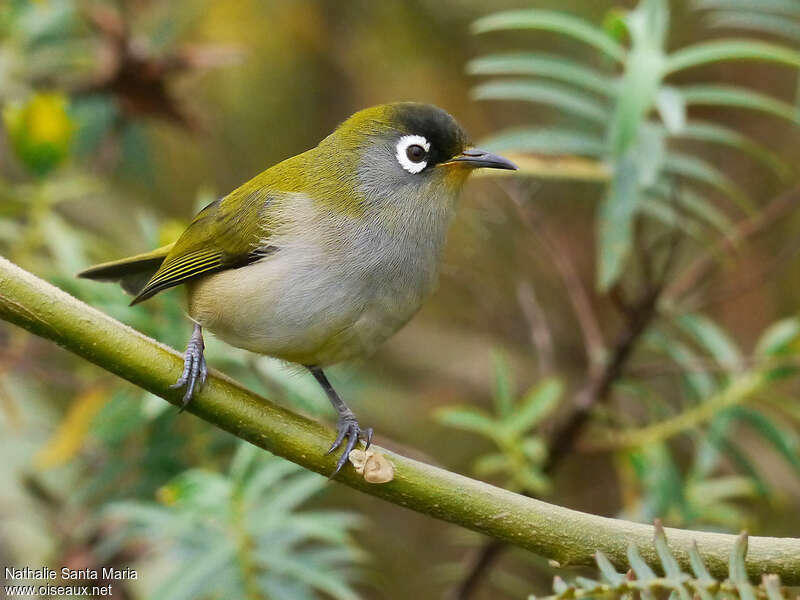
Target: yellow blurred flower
70,435
40,130
167,495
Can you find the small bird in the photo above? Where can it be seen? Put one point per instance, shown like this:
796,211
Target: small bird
322,257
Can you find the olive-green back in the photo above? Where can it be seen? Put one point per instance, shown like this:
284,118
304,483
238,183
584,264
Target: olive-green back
234,231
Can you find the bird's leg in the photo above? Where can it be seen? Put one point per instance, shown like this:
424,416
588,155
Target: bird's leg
195,370
347,426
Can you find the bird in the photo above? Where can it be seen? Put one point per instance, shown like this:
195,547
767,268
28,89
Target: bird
322,257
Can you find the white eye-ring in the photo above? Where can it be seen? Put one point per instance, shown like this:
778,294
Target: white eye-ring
412,153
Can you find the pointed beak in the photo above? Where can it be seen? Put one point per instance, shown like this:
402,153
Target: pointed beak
481,159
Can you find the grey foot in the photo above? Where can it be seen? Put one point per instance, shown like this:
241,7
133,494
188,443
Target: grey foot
348,427
195,370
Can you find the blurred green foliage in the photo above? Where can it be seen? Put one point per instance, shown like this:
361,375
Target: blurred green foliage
241,535
513,430
664,135
619,126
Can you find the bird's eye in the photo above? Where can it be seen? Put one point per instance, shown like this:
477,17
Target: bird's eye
415,153
412,153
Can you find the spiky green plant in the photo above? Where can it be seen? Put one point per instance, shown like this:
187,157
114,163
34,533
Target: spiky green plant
780,18
242,535
628,114
641,581
725,391
512,430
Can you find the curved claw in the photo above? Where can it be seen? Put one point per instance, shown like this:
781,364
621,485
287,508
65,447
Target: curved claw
368,439
195,372
348,428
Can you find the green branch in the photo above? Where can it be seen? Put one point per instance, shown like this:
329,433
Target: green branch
568,536
741,389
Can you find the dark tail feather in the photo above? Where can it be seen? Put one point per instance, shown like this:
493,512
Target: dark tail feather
131,273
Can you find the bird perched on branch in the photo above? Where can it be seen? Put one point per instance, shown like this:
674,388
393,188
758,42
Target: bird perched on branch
322,257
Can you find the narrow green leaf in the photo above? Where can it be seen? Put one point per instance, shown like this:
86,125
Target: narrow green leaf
772,585
725,515
635,98
649,153
698,565
781,439
533,481
616,222
491,464
326,582
671,568
785,7
556,22
198,490
636,169
585,583
244,461
738,569
706,131
717,437
560,586
648,24
692,203
293,491
151,517
692,167
535,449
544,65
265,478
564,98
735,49
665,213
754,21
702,384
467,418
643,572
503,384
660,476
537,404
737,97
607,570
777,337
709,335
326,526
721,489
672,109
194,577
545,141
614,23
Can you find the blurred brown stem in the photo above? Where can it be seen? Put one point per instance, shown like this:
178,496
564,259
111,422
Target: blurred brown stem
576,292
541,338
702,267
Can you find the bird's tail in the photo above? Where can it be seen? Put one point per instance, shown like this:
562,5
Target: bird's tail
132,273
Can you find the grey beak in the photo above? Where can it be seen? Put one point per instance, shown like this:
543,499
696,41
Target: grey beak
481,159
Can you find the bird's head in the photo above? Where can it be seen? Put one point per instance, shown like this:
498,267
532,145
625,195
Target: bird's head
405,156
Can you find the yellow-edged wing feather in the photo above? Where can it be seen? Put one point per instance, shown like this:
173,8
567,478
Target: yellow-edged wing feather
226,234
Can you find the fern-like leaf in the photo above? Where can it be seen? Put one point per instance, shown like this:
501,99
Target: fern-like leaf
643,581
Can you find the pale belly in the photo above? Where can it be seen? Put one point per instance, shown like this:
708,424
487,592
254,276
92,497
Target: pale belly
292,308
